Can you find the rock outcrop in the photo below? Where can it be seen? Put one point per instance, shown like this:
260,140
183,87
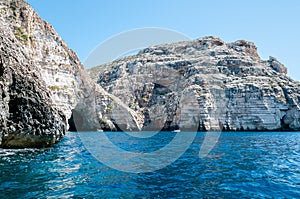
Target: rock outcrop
204,84
44,90
28,118
41,80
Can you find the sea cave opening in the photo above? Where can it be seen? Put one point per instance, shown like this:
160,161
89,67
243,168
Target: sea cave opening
75,121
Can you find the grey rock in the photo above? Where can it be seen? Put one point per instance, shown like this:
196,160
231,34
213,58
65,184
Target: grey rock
27,118
41,81
204,84
276,65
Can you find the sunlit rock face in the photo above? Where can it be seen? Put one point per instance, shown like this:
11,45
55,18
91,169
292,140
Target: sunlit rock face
41,80
44,88
204,84
28,118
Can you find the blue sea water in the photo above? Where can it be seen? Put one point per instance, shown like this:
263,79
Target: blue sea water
241,165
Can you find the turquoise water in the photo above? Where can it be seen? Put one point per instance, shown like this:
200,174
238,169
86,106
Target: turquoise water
241,165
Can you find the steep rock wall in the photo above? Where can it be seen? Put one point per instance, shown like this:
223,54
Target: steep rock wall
204,84
43,85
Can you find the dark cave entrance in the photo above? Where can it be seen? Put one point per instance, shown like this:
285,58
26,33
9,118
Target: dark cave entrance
76,121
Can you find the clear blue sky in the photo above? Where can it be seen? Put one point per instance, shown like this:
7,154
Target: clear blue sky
273,25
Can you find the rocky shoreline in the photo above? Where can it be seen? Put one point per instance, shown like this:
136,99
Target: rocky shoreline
220,85
40,79
200,85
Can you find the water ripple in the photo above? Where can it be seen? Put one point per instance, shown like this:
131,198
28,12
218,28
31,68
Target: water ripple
242,165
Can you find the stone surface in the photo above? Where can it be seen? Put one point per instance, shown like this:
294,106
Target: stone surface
43,85
204,84
27,118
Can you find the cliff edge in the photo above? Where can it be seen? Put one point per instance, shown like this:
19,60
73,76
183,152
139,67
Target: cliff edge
44,89
204,84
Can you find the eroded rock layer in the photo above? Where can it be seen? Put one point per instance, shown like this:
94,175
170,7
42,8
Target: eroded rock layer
204,84
44,89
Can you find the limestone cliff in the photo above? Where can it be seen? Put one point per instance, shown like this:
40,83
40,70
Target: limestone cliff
204,84
28,118
43,86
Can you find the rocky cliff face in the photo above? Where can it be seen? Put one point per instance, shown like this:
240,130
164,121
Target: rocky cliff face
28,118
43,87
204,84
41,80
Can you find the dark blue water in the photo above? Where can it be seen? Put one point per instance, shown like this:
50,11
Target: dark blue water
241,165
